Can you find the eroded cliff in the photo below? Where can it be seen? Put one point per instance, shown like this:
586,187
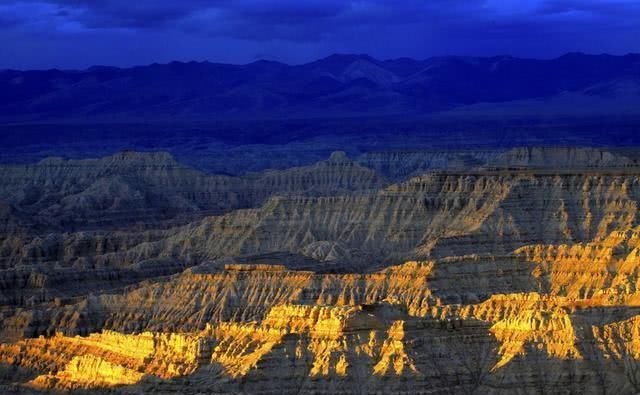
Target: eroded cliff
523,279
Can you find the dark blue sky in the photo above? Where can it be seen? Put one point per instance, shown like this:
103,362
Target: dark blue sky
80,33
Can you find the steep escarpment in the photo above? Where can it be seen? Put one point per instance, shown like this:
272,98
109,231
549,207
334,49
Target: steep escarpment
523,279
43,257
123,188
334,176
399,165
560,158
443,214
136,187
296,348
106,359
552,207
435,215
363,228
339,334
489,213
392,221
189,301
479,323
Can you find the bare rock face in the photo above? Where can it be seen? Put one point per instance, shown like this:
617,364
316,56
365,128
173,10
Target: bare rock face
432,216
560,157
135,187
107,359
485,213
142,194
523,278
400,165
293,331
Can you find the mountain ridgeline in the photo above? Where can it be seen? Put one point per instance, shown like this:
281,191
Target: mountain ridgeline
336,85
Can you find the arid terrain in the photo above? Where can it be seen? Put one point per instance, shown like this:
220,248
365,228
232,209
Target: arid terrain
319,197
493,271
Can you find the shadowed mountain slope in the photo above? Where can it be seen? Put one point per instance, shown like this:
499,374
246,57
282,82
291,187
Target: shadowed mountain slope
338,84
147,188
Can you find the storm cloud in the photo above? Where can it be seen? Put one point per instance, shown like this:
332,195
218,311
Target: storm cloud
78,33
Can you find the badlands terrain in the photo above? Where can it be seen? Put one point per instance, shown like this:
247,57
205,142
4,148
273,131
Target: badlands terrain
486,271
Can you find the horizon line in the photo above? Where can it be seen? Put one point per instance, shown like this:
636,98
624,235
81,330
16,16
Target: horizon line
337,54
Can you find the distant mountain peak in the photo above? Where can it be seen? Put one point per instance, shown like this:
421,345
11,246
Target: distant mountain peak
339,61
338,84
346,56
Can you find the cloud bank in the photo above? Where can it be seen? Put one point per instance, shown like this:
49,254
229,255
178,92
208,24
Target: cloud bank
77,33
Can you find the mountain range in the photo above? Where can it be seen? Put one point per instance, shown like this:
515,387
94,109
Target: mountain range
333,86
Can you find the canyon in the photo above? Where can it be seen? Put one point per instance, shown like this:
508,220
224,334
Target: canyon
492,271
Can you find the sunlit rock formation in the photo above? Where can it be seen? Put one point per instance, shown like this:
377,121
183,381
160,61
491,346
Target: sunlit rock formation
106,359
506,279
386,331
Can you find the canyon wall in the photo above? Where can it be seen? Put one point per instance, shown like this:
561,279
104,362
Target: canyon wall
507,278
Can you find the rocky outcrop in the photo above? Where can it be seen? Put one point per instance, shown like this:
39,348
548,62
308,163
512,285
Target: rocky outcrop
346,349
106,359
148,189
399,165
435,215
405,328
605,269
215,293
514,281
529,320
444,214
88,372
483,214
137,187
560,158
